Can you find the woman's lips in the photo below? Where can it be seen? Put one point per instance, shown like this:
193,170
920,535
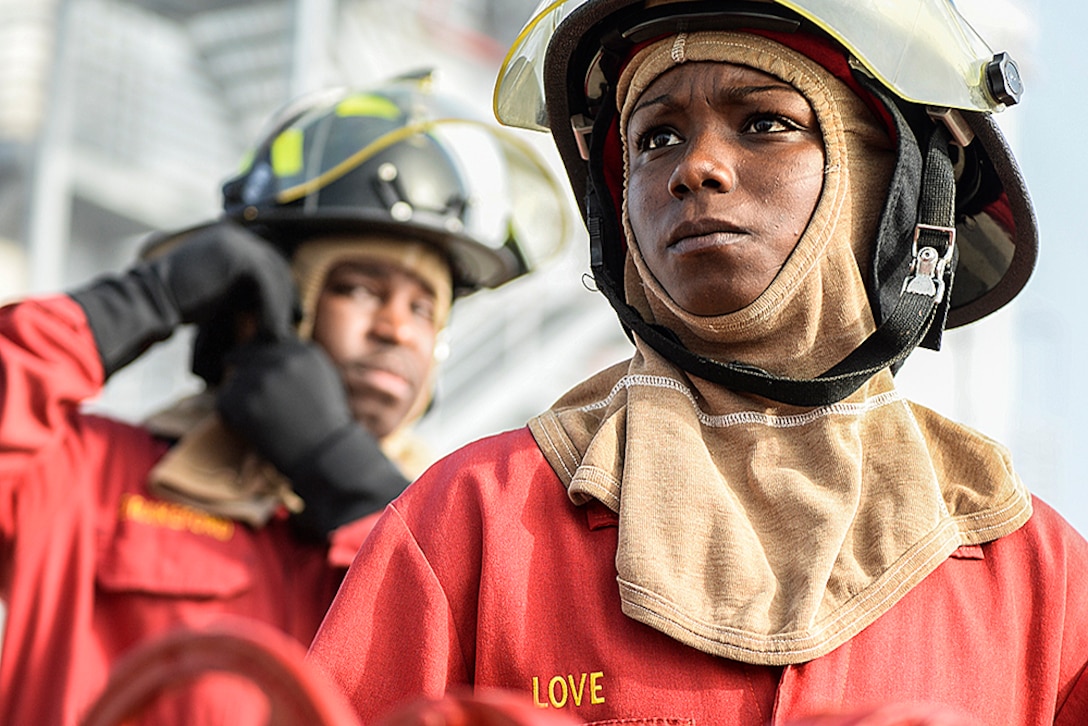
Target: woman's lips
706,240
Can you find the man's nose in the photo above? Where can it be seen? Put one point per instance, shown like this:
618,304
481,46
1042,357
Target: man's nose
393,322
708,164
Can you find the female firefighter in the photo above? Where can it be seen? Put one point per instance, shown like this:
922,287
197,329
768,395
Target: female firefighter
746,522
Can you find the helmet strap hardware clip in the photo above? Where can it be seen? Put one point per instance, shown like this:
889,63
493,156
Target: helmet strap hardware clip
928,266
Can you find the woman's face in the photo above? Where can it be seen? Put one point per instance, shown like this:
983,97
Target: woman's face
725,169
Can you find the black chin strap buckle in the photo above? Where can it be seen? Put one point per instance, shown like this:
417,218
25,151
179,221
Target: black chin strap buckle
929,267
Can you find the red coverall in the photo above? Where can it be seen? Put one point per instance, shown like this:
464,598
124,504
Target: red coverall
484,573
92,563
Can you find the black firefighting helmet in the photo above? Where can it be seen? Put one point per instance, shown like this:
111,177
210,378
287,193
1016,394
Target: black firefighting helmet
957,189
401,160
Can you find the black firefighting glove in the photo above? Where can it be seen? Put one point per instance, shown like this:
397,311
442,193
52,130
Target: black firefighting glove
188,283
288,402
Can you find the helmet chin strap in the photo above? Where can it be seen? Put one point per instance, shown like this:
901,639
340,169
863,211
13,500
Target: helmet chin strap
917,316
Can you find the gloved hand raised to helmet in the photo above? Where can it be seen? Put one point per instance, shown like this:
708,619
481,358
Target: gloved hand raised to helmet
189,282
288,402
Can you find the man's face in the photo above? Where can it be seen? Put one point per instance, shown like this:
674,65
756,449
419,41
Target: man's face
376,320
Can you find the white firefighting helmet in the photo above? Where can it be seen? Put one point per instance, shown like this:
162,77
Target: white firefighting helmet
919,58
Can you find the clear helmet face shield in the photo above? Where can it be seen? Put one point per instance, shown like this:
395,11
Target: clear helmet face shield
407,162
555,78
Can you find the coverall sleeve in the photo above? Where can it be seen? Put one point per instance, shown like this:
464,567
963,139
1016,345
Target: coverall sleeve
390,635
48,365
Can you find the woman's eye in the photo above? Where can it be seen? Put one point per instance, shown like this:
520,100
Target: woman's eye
769,124
658,138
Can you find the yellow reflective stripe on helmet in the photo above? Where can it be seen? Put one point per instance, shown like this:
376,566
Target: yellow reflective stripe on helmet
368,105
357,159
286,153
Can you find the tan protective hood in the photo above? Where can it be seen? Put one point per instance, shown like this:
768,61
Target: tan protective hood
748,529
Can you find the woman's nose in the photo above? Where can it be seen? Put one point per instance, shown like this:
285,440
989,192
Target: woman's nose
708,164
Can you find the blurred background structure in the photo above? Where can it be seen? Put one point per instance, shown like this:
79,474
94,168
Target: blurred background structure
118,117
